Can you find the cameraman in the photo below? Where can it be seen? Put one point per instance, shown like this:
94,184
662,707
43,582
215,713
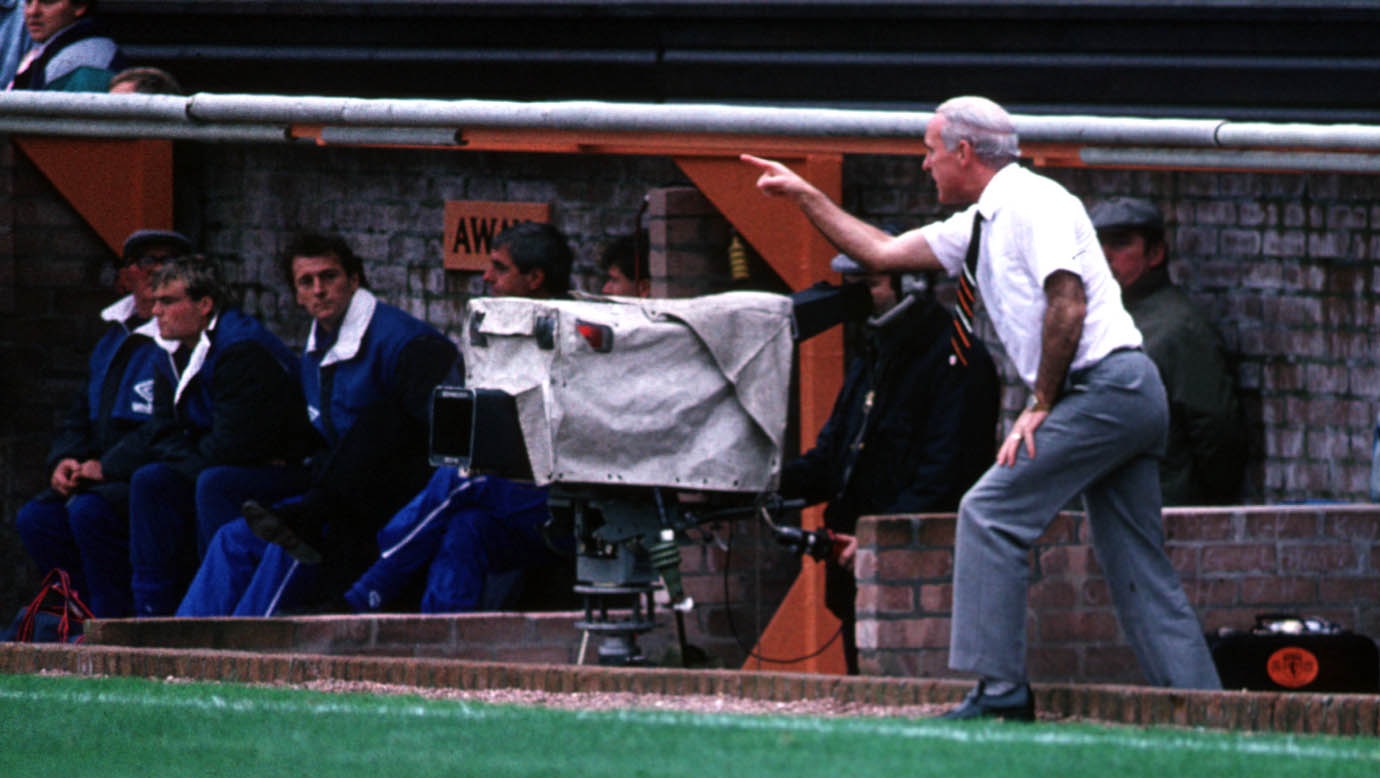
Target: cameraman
912,428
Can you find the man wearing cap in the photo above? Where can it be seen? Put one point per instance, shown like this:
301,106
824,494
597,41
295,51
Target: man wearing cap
76,515
912,428
1205,457
1097,420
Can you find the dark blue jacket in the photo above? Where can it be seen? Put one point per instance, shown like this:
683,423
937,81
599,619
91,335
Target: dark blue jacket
925,435
237,402
119,388
911,430
380,355
369,398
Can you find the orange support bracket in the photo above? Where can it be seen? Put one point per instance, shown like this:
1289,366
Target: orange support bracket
788,242
117,186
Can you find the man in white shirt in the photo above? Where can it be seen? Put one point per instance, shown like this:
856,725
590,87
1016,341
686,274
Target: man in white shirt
1097,422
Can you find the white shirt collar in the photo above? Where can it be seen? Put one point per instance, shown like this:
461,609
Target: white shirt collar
994,194
198,358
120,310
352,328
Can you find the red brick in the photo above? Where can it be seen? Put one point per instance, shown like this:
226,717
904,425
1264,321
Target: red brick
1080,626
1211,591
890,599
911,565
1274,589
1071,561
1354,526
937,598
1282,525
886,531
1318,558
1094,591
1111,664
709,588
1053,593
913,633
1239,558
865,564
1185,559
1230,618
1045,661
937,531
1063,529
1185,525
1361,590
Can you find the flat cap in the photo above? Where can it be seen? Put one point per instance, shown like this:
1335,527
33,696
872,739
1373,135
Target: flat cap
1126,212
139,239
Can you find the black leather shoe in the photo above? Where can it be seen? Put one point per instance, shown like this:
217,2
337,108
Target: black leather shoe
1016,705
273,528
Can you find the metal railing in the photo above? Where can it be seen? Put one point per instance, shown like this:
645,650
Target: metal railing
1105,141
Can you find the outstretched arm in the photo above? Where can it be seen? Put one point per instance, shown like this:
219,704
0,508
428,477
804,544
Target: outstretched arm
870,246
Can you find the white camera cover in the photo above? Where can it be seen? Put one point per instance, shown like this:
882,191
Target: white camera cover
692,394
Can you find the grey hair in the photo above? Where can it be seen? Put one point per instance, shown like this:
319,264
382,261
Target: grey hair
203,277
984,124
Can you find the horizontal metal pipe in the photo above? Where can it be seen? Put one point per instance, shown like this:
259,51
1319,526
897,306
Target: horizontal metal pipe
105,128
1225,159
235,118
74,105
1314,136
391,136
1118,130
569,116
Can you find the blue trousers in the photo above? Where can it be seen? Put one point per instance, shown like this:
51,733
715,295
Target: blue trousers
458,532
1103,440
162,537
221,490
88,536
165,528
244,576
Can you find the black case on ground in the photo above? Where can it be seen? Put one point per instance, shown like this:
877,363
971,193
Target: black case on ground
1261,660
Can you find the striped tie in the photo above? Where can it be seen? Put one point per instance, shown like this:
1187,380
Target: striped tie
962,339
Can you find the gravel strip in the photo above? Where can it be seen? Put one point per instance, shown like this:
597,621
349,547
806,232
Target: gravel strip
625,700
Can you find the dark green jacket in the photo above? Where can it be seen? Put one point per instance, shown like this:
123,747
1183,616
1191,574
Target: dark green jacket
1207,441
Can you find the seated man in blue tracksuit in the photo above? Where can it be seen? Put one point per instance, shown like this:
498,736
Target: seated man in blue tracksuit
76,517
368,372
225,392
460,533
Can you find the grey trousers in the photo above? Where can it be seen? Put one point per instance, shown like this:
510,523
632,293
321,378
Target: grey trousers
1103,440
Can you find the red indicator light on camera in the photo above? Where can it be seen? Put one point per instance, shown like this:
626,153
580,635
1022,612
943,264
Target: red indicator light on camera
598,336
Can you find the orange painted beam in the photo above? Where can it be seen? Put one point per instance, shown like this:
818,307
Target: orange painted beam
800,255
117,186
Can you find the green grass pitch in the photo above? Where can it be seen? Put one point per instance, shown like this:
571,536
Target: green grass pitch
112,727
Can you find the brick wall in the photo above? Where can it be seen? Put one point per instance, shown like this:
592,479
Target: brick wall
55,276
1234,563
1286,266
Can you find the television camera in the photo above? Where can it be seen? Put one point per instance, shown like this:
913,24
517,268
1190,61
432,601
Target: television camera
643,418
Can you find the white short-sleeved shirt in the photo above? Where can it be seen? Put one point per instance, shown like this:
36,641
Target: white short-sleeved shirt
1032,227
